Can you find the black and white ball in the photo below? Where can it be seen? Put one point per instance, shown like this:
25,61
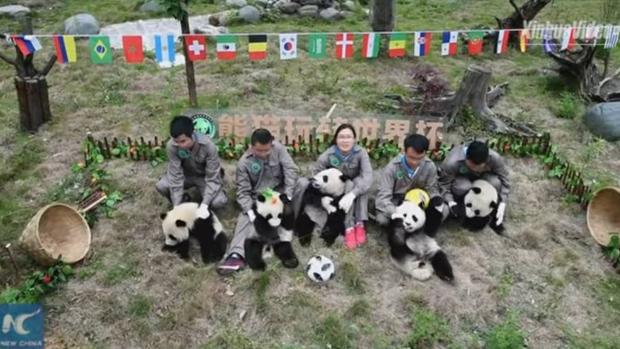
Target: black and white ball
320,269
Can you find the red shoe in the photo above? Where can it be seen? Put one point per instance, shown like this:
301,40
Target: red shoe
360,234
349,239
233,263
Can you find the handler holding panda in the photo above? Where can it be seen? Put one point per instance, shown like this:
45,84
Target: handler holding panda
411,170
353,161
467,163
266,164
192,162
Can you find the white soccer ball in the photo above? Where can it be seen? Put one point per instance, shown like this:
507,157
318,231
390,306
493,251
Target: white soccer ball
320,269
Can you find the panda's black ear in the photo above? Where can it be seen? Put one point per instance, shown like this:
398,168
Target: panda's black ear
476,190
163,216
344,178
261,198
493,204
180,224
421,204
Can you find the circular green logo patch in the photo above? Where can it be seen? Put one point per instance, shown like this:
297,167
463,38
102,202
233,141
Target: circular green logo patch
255,167
183,153
204,124
399,174
334,161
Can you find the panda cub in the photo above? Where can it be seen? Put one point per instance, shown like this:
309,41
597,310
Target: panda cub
273,226
188,220
412,246
324,192
479,207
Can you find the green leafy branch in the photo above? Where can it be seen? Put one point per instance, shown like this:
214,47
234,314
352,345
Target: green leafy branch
38,284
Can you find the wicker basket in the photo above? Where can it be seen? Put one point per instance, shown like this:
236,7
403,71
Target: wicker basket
56,230
604,214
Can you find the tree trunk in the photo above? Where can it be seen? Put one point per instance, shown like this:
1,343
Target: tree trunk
473,93
382,15
516,20
189,65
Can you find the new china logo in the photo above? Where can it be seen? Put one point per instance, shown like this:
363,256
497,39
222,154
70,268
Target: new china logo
22,326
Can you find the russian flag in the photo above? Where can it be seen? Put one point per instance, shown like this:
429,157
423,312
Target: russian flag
164,48
449,43
422,44
27,44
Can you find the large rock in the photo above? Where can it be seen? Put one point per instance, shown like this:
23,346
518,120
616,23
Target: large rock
249,14
308,11
222,18
263,3
603,120
330,14
151,6
236,3
349,5
287,6
210,30
82,23
14,11
309,2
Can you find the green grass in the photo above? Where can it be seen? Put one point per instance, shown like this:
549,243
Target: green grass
428,329
334,332
506,335
353,279
139,306
261,284
230,339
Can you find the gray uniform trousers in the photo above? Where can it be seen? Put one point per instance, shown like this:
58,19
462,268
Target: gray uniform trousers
462,184
219,201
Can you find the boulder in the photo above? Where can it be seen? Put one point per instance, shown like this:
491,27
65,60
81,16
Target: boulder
330,14
287,6
14,11
349,5
81,24
236,3
152,6
308,11
249,14
603,120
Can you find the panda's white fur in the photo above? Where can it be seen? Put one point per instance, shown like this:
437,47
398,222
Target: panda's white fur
273,227
412,250
320,199
187,220
480,205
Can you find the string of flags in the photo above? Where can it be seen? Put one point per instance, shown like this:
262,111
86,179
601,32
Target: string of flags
226,45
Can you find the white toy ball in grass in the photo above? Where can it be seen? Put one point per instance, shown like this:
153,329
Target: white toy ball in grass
320,269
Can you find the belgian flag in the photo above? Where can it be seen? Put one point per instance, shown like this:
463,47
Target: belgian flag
257,47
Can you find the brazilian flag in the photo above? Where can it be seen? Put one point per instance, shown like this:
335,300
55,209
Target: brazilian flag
100,50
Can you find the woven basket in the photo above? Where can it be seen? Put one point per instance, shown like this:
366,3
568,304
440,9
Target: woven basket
604,214
56,230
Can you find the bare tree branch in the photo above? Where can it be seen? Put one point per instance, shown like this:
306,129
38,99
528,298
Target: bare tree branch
49,65
8,60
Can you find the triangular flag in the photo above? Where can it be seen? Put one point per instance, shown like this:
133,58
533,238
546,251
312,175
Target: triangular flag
164,48
592,35
317,45
288,46
503,37
132,47
226,47
568,39
422,43
100,49
257,47
27,44
344,45
449,42
611,40
474,42
396,45
548,44
196,47
370,45
65,48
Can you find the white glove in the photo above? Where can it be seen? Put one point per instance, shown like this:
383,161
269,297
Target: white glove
396,215
326,201
501,209
203,211
451,206
346,202
251,215
440,207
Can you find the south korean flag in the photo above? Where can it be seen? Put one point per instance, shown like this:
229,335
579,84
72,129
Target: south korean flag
288,46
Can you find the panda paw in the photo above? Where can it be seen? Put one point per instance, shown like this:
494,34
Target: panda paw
326,201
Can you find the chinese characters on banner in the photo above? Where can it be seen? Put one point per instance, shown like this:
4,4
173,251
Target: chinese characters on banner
292,128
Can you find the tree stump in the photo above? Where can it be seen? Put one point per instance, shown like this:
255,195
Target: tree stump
382,15
34,108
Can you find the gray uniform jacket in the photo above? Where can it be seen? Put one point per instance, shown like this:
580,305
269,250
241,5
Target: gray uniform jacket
203,162
454,165
279,173
357,167
395,183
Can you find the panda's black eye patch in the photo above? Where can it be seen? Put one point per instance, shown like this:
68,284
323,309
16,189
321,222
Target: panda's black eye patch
268,217
324,179
468,205
172,237
280,215
415,219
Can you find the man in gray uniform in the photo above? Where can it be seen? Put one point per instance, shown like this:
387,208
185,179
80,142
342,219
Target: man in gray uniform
467,163
412,170
266,164
192,162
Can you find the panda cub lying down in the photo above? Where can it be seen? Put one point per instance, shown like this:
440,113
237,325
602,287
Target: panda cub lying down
273,226
189,219
479,207
412,246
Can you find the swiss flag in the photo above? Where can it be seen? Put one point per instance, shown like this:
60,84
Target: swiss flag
132,47
344,45
196,47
